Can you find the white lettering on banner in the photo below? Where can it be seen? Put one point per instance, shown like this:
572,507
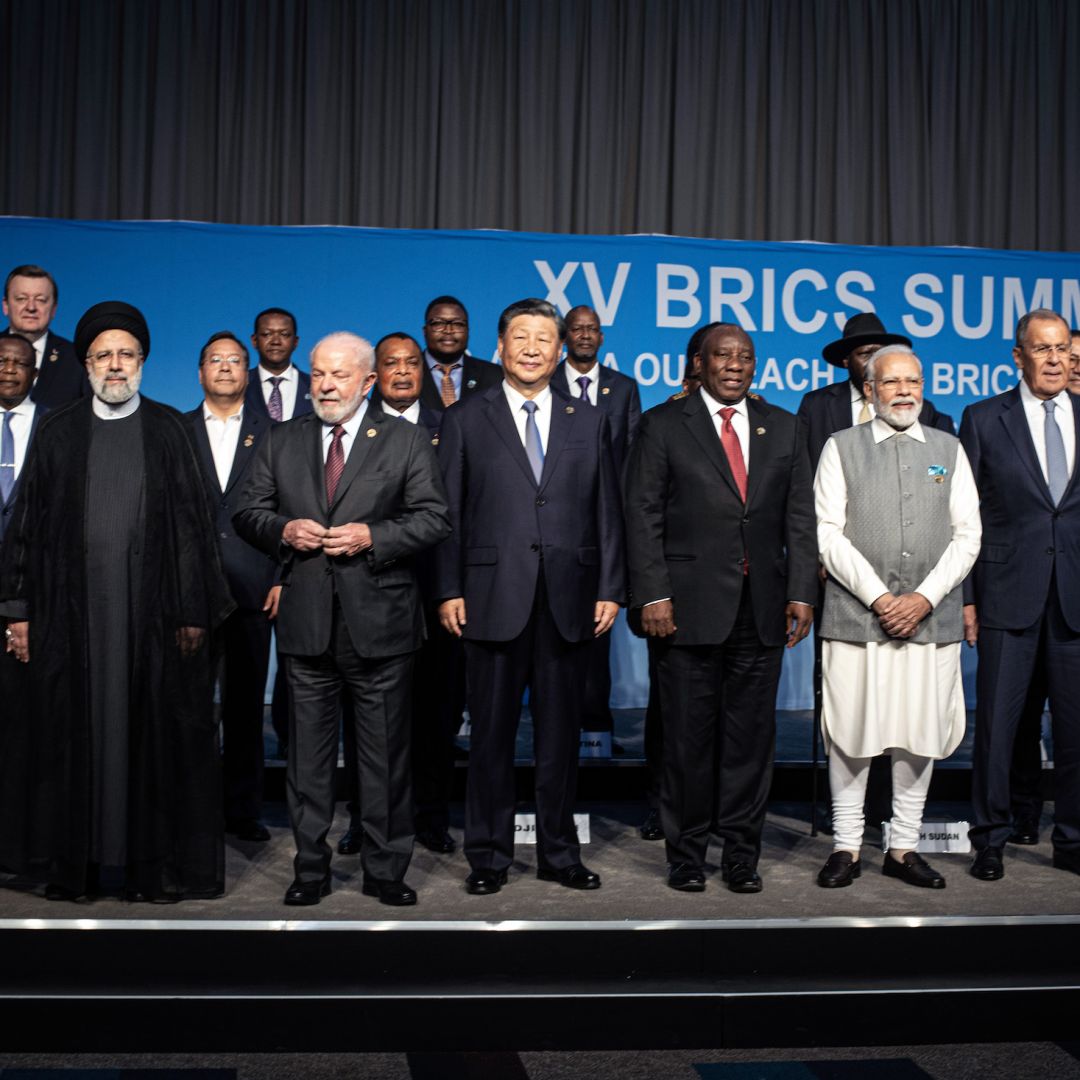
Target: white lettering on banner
851,300
610,361
923,303
606,307
650,369
525,828
556,283
979,380
646,358
986,319
719,298
787,301
669,294
1013,304
1070,301
768,299
792,376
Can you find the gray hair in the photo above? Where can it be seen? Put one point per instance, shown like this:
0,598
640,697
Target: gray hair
1035,316
354,343
888,350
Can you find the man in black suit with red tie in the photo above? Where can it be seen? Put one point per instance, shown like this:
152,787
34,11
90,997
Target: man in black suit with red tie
345,499
450,373
226,435
531,573
30,299
723,564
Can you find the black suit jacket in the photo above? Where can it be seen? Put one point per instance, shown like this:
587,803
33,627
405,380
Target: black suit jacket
688,529
7,507
391,483
476,376
250,572
1028,543
504,522
827,410
619,397
254,400
61,377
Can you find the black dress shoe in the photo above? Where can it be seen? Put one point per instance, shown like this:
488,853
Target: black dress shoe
914,870
686,878
575,876
307,893
59,893
437,840
840,869
485,882
1025,832
650,828
742,877
352,840
249,829
1067,861
988,865
394,893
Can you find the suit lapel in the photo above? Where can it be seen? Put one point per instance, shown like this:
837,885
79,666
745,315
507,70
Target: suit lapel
1015,421
497,409
563,413
761,446
251,426
840,406
362,444
315,462
697,419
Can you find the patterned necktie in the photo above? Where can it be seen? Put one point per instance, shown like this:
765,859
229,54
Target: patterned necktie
864,413
273,406
534,449
583,382
335,462
1057,467
730,442
447,391
7,459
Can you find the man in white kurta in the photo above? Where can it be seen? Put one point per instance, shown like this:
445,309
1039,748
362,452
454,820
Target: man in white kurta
898,531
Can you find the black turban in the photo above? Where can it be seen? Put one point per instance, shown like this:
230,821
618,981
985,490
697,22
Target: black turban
111,315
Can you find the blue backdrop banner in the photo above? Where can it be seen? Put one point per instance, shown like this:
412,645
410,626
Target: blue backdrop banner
958,305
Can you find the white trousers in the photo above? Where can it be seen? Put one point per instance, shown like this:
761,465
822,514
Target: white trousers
847,779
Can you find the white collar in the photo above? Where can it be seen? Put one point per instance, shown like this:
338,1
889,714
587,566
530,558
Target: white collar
105,411
25,408
517,399
351,425
237,416
1061,399
412,413
882,431
715,406
288,374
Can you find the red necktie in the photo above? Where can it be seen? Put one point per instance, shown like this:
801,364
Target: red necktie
730,442
335,462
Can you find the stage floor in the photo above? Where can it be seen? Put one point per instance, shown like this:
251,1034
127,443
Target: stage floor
634,889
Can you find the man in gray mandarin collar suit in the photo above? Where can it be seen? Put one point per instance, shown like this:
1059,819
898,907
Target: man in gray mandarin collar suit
344,497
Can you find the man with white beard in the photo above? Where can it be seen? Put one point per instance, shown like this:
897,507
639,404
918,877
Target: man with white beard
898,531
111,584
344,498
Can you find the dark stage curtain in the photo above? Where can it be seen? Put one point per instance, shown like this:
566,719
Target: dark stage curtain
857,121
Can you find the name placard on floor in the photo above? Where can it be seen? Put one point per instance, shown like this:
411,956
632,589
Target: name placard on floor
525,828
939,836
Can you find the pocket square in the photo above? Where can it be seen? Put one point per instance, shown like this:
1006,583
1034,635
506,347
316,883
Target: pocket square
937,470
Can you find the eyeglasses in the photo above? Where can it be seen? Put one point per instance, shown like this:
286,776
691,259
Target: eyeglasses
1042,352
125,356
231,360
890,382
448,324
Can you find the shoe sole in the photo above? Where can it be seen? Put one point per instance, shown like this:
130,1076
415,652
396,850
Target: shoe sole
690,886
552,875
373,890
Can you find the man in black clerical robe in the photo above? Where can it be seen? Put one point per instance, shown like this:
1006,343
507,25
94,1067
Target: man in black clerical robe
111,584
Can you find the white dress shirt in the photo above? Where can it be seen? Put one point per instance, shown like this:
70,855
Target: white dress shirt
289,386
22,420
39,349
224,435
1036,418
543,412
857,402
574,387
412,413
740,422
347,440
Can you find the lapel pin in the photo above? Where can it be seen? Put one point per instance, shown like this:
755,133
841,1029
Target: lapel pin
371,433
759,431
471,384
435,441
54,356
249,440
605,389
569,409
939,479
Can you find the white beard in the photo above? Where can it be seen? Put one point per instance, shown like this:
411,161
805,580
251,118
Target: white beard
116,393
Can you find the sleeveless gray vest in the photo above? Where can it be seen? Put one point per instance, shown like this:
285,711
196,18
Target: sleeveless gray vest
898,518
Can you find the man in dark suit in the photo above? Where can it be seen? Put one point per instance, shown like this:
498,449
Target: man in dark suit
439,672
30,299
345,498
19,417
723,564
226,435
1022,600
450,373
532,572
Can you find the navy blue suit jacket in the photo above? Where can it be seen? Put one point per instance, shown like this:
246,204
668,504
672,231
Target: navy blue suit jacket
253,398
1027,542
7,507
827,410
249,572
619,397
476,377
504,522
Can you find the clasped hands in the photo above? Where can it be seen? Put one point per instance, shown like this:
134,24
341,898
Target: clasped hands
307,535
900,616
